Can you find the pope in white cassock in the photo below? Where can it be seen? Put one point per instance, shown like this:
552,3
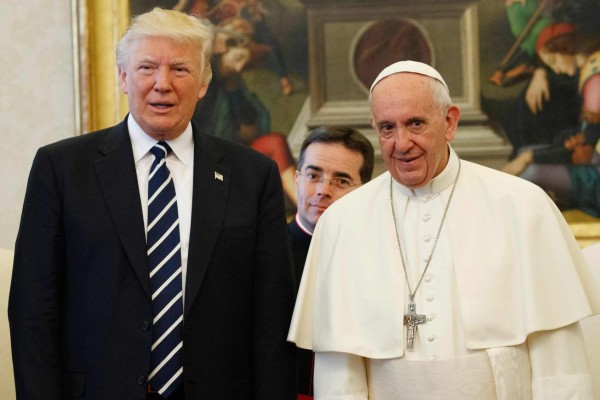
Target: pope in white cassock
441,278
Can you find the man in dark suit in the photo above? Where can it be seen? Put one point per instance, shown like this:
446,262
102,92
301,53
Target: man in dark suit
85,312
333,161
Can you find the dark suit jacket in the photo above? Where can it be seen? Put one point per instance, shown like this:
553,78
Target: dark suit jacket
80,309
300,243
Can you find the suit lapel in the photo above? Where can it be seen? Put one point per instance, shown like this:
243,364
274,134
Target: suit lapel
211,188
118,181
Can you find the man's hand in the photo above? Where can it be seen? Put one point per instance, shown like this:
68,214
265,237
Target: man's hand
573,141
582,155
538,91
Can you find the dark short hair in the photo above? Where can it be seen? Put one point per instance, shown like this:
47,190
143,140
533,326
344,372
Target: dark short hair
349,138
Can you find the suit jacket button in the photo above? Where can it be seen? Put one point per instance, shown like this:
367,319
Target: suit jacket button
145,325
141,380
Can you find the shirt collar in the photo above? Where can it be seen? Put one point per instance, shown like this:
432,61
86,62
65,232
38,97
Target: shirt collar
438,183
301,226
141,142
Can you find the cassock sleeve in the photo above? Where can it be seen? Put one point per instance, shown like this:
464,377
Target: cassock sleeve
340,376
559,364
274,288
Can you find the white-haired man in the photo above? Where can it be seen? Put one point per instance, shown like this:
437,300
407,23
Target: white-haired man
152,260
442,278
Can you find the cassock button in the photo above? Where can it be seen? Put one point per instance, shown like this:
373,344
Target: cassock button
145,325
427,238
426,217
428,278
430,298
431,338
141,380
431,317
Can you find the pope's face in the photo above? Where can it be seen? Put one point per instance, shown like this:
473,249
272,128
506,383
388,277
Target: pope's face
329,160
163,80
413,132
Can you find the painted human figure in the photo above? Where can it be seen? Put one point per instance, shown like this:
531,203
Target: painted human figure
231,111
569,167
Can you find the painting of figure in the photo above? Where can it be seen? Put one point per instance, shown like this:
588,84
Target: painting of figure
553,122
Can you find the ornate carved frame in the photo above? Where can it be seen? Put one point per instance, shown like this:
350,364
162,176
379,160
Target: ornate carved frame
97,26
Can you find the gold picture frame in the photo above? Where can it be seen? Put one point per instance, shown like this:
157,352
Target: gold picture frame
97,27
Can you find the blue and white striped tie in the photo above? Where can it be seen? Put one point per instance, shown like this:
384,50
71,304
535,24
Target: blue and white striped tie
164,263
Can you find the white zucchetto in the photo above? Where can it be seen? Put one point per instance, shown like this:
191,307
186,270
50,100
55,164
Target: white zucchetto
408,66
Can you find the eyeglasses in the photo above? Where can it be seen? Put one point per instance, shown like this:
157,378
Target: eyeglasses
337,182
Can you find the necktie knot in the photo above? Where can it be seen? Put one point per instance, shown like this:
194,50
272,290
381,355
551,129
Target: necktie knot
160,150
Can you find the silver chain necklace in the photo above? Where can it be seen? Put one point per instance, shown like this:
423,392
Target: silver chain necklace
411,319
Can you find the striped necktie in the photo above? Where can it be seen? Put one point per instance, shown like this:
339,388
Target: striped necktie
164,263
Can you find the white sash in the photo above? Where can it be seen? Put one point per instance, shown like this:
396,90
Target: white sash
466,378
497,374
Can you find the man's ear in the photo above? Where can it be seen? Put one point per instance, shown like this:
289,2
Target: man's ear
202,91
122,80
452,117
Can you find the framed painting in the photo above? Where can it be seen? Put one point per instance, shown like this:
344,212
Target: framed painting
309,62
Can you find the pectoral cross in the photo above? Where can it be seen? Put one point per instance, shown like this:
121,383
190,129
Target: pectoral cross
412,320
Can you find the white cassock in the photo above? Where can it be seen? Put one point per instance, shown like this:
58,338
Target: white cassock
503,294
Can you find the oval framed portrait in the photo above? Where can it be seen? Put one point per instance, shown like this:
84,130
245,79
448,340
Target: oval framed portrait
384,42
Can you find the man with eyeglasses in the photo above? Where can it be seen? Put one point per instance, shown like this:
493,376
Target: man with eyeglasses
333,162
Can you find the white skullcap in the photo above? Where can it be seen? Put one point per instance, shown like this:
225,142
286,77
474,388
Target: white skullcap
408,66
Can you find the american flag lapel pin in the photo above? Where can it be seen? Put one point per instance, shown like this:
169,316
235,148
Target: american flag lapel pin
218,176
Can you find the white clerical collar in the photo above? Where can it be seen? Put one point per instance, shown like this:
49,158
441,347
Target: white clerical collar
301,225
141,142
444,180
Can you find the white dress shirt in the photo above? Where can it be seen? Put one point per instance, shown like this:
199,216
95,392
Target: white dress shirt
181,166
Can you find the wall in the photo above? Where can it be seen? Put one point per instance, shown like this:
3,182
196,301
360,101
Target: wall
36,95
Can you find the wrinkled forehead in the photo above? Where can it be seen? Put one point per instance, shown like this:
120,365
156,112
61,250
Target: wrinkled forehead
164,47
401,89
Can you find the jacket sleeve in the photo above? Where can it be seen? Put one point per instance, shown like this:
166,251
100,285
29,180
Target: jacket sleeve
36,287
